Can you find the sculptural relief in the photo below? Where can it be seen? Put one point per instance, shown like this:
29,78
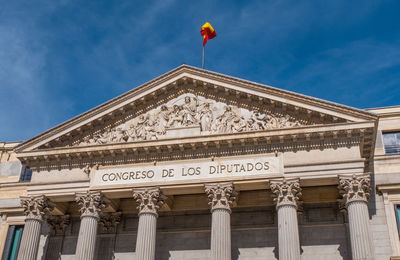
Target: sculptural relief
187,111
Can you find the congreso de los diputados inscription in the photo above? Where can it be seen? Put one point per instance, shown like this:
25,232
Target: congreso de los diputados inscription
196,165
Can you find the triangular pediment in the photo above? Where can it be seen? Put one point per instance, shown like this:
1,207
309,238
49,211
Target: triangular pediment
192,102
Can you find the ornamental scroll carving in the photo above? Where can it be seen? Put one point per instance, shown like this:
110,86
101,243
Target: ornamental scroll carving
109,221
354,188
91,203
221,195
286,192
209,116
149,200
58,224
36,207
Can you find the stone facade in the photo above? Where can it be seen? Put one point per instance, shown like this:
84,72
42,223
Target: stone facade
198,165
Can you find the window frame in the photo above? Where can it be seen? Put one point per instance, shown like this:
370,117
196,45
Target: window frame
396,148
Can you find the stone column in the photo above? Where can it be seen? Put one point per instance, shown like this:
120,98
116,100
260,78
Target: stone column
355,191
286,195
149,201
35,209
90,204
57,225
221,196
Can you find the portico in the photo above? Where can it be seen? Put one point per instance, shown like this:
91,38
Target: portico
198,165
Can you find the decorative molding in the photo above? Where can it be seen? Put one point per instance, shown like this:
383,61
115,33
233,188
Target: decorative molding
91,203
210,116
286,192
58,224
221,195
109,221
354,188
149,200
36,207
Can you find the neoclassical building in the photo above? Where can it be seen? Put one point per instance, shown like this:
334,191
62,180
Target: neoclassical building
200,165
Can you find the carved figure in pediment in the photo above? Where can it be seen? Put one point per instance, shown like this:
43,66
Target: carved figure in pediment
140,127
221,124
189,109
206,116
285,122
119,135
213,117
175,119
104,137
257,121
230,121
163,117
150,128
238,124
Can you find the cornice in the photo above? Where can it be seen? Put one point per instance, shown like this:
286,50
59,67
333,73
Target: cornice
184,73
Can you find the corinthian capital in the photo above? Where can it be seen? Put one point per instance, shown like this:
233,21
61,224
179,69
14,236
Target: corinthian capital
58,224
149,200
109,221
90,203
221,195
35,207
354,188
286,192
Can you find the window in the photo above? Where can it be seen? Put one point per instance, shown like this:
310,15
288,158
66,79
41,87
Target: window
13,241
26,174
397,212
392,142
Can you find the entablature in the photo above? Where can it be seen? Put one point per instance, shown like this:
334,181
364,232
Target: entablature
275,140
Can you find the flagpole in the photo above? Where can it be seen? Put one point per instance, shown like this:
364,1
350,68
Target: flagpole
202,64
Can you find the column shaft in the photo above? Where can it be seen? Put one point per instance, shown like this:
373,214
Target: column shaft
90,204
87,238
221,197
288,233
286,194
30,240
221,235
359,230
149,202
355,190
146,237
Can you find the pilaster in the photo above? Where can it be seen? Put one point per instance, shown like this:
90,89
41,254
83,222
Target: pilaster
57,225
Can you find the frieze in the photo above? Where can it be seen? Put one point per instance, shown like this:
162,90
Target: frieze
210,116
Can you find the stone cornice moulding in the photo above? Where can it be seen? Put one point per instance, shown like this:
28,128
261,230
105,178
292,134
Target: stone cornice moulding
183,73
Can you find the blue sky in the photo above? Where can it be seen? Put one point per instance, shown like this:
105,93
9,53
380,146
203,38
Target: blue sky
59,59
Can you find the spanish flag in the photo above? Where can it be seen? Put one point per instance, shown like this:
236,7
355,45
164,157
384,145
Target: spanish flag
208,32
